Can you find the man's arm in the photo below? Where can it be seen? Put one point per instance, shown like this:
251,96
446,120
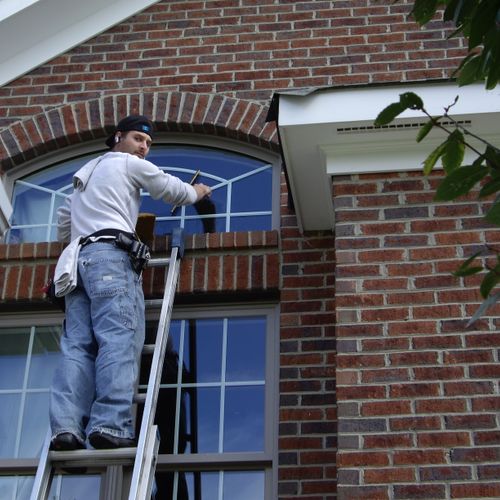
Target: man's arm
202,191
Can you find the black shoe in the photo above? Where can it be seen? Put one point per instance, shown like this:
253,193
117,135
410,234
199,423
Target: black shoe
103,441
66,442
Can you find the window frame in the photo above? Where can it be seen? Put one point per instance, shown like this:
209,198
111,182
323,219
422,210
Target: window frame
199,462
160,139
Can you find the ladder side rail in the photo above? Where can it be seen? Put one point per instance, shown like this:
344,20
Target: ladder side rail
150,458
155,373
40,487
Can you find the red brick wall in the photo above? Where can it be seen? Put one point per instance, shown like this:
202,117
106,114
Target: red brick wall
242,263
416,392
244,49
417,389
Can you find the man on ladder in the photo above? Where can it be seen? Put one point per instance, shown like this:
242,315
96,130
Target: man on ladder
99,274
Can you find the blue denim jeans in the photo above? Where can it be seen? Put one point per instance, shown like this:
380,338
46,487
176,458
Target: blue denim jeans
103,336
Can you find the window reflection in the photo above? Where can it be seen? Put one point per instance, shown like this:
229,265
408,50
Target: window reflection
220,390
28,357
13,356
75,488
9,415
230,485
63,487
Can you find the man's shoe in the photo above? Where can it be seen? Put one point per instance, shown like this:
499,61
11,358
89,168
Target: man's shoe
103,441
66,442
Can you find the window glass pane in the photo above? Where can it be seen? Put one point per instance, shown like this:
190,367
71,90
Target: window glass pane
75,488
244,409
62,488
207,485
31,205
16,487
45,356
203,420
252,192
249,223
9,414
7,487
246,485
14,344
203,350
246,349
35,423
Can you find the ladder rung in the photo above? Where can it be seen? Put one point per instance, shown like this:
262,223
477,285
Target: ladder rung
77,458
140,398
148,349
158,262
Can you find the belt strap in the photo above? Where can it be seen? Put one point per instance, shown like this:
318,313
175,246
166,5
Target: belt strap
108,233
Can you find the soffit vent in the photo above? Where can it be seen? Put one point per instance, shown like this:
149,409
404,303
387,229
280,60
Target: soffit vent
398,126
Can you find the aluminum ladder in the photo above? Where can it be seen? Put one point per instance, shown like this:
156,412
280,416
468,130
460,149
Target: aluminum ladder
145,455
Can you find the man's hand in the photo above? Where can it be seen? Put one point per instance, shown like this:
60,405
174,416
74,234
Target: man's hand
202,190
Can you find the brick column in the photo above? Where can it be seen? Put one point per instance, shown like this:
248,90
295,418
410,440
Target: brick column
417,391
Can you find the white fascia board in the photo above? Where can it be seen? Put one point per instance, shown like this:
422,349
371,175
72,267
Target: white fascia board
331,132
5,209
39,31
309,182
341,105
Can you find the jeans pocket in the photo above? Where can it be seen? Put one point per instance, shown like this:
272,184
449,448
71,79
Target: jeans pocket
107,275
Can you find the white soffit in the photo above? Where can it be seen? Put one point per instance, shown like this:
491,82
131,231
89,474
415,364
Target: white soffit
34,31
330,132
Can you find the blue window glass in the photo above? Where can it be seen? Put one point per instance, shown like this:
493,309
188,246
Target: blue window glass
212,401
28,358
220,390
233,485
241,194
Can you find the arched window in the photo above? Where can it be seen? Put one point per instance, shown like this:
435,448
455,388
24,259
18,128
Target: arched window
244,193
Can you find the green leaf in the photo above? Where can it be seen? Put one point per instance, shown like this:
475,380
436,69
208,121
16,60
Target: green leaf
454,151
424,10
465,269
389,113
424,130
459,182
492,156
481,22
452,10
493,214
489,282
468,272
433,157
491,300
490,188
470,71
410,100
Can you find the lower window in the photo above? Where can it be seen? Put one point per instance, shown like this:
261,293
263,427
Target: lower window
216,409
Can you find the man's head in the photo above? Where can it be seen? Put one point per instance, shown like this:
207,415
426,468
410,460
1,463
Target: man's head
132,135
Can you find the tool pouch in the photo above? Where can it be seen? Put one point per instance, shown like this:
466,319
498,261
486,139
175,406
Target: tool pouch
50,293
137,251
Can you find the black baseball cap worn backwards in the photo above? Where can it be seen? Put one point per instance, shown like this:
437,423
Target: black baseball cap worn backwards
132,122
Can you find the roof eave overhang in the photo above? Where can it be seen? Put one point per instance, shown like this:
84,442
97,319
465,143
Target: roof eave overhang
330,132
33,32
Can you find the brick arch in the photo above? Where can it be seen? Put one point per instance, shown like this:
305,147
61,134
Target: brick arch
210,114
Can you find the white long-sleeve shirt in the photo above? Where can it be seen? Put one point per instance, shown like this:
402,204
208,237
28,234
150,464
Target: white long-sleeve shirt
107,194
